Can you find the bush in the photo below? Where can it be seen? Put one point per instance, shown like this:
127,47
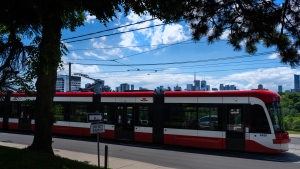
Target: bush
296,128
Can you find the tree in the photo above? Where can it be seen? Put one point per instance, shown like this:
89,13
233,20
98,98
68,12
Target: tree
251,21
13,63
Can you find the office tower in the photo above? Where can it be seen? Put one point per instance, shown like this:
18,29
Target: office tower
297,82
260,86
62,83
189,87
221,87
203,85
279,88
124,87
132,87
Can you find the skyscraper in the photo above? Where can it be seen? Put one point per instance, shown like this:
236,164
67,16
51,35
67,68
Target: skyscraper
62,83
203,85
297,82
124,87
221,87
260,86
279,88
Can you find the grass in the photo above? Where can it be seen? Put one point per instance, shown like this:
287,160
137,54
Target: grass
13,158
293,132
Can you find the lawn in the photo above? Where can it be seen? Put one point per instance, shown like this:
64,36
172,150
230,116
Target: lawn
12,158
293,132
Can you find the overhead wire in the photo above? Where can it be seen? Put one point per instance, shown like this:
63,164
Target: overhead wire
88,34
183,62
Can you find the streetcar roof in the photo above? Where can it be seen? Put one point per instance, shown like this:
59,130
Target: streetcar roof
265,95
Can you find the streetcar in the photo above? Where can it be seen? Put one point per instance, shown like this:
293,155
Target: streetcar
243,120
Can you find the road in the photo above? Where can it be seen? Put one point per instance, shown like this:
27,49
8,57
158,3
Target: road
170,156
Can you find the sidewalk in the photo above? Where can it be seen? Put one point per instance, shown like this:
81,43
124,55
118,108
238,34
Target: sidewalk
294,136
114,163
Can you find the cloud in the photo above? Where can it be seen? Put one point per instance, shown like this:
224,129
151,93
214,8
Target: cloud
90,18
105,49
75,56
129,41
225,34
67,45
173,33
89,53
274,56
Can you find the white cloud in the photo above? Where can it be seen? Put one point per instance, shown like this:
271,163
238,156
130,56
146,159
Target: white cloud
75,56
89,53
103,38
129,40
225,34
173,33
274,56
67,45
97,45
85,69
90,18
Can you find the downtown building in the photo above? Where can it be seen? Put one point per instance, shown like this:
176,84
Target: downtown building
62,83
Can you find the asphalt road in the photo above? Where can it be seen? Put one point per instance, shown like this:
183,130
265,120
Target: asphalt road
170,156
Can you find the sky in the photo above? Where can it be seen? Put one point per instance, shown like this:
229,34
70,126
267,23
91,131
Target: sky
164,55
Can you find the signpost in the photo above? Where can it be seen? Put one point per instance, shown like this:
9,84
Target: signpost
96,128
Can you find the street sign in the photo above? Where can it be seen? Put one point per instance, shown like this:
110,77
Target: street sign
97,128
94,117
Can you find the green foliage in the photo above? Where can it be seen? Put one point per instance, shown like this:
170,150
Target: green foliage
57,111
290,106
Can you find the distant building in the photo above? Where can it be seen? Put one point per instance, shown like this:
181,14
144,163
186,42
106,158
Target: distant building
62,83
221,87
189,87
197,85
260,86
203,85
178,88
232,87
214,89
297,83
132,87
124,87
279,88
142,88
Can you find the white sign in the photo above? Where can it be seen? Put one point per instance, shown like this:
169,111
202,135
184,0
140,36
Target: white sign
95,117
97,128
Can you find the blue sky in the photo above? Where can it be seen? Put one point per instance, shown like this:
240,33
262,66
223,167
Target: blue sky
165,55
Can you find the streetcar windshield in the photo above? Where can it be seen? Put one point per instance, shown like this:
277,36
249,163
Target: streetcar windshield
276,117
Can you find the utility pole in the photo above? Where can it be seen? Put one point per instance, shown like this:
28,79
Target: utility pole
70,76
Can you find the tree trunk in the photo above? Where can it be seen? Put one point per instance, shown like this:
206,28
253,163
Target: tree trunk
48,61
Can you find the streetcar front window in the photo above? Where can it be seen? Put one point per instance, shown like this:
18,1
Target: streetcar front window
276,117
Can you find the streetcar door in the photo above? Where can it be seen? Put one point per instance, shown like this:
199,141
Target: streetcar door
235,134
25,117
124,123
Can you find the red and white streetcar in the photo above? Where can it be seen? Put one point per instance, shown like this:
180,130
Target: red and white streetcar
248,120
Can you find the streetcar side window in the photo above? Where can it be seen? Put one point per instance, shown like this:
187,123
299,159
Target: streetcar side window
109,111
144,118
14,110
208,118
259,122
59,110
182,116
79,112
